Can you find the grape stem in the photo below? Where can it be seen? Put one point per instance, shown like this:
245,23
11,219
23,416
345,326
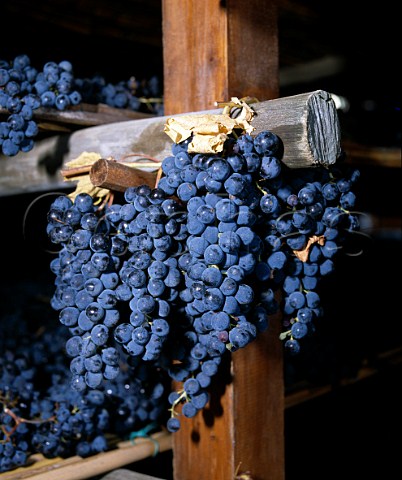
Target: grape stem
19,420
182,396
283,335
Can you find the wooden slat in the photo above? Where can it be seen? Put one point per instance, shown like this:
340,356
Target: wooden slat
252,46
306,123
82,115
78,468
214,50
241,429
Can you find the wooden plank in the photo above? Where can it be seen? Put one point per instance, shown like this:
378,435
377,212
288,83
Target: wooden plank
241,429
195,54
37,170
384,361
252,44
210,55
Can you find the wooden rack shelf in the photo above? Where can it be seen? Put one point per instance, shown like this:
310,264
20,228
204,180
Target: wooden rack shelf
369,156
301,393
80,116
78,468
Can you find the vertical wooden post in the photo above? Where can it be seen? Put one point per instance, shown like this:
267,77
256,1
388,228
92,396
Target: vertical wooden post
213,50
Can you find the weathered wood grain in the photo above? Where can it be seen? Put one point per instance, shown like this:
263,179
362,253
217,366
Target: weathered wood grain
300,120
306,123
308,126
37,170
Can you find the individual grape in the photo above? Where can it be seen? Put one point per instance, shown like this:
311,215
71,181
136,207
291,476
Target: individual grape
229,287
9,148
307,195
312,299
226,210
69,316
213,299
270,167
173,424
348,200
277,260
299,330
269,204
214,255
326,267
267,143
293,346
244,295
191,386
305,315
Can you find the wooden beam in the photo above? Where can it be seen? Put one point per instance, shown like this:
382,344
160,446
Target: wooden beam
306,123
241,429
214,50
371,156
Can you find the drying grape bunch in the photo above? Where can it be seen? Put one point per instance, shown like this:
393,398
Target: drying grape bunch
41,413
24,89
180,275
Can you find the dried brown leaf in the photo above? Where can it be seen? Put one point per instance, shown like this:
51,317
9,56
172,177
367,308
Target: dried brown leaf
304,254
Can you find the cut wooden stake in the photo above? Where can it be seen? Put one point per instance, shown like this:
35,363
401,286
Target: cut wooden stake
307,124
118,177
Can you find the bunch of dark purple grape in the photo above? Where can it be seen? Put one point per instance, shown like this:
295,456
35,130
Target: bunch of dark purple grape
41,413
182,274
25,88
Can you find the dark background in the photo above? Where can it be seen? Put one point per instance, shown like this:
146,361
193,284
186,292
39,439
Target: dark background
352,52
